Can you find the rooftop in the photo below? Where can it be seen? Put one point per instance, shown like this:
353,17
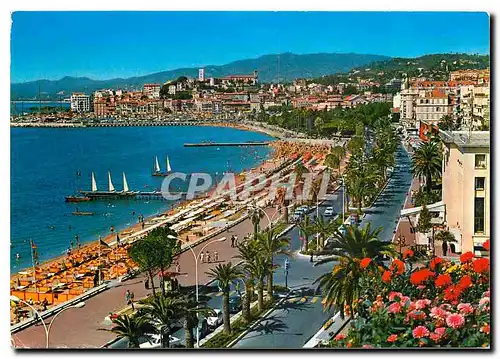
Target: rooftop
466,138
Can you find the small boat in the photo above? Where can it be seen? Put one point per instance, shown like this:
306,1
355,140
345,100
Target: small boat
76,212
157,170
77,199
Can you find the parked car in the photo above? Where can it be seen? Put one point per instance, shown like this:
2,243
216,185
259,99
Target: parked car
329,212
234,304
215,319
153,341
295,218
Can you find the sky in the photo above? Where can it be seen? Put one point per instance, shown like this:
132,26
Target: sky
104,45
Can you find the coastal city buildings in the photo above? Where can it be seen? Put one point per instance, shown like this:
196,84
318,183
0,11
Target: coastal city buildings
466,187
80,102
152,90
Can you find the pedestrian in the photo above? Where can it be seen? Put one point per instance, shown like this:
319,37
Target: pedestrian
142,225
178,267
216,256
146,284
232,241
44,304
207,254
202,257
445,248
132,300
128,297
236,240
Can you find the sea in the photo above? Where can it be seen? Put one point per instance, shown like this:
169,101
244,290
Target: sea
49,164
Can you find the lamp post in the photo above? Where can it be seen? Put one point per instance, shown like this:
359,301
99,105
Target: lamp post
196,256
47,329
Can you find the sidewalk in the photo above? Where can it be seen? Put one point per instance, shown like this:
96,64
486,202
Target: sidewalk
79,328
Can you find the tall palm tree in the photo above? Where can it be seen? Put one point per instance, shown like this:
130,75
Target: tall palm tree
259,268
427,163
248,251
131,328
190,309
324,228
282,201
163,311
225,274
307,229
271,244
255,215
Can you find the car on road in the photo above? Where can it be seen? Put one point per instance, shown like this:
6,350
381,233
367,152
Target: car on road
329,212
295,218
215,319
153,341
234,304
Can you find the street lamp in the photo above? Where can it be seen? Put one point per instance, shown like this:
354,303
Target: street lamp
196,256
47,329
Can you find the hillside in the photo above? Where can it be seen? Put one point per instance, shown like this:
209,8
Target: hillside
291,66
435,66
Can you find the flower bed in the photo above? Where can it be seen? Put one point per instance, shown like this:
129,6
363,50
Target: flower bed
436,304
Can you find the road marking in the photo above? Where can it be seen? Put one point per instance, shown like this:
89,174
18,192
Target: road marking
292,300
219,294
314,300
303,300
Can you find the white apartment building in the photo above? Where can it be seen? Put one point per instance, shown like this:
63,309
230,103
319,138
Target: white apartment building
80,102
432,106
474,105
201,75
152,90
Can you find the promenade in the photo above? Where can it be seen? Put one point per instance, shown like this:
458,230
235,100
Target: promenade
81,328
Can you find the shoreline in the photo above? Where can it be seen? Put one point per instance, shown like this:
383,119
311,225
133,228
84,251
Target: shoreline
110,238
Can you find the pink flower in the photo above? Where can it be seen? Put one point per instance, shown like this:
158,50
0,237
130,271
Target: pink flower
416,315
339,337
484,303
438,313
404,299
455,321
420,332
393,295
394,308
465,308
486,294
422,303
438,334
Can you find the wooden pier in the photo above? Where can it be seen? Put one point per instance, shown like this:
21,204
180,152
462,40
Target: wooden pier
227,144
95,195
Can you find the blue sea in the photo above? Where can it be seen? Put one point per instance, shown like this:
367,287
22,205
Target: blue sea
44,164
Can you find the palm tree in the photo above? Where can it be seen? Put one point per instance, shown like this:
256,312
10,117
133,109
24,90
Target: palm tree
307,229
358,242
255,215
190,309
271,244
248,251
282,201
299,170
259,268
163,311
225,274
143,253
343,285
324,228
131,328
427,163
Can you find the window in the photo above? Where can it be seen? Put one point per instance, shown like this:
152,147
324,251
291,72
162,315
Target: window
478,215
480,183
437,109
480,161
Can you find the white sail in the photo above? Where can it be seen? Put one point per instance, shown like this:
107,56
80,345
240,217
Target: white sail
125,184
157,164
168,165
110,184
94,184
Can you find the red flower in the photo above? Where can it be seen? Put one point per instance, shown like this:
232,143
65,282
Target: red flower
339,337
408,254
452,293
435,261
420,332
365,262
486,245
465,282
443,280
420,276
394,308
392,338
398,265
467,256
438,334
386,277
485,328
455,321
481,265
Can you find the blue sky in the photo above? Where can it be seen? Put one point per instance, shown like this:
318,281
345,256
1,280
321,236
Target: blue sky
103,45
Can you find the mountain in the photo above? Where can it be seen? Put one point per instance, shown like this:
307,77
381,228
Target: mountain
291,66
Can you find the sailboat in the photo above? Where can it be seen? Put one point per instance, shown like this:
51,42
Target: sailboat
111,188
126,191
78,198
157,170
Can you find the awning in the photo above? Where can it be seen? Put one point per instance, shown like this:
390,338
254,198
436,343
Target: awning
435,207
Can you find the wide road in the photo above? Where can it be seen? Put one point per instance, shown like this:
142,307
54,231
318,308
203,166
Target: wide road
292,325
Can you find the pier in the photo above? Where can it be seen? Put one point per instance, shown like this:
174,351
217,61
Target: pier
157,195
227,144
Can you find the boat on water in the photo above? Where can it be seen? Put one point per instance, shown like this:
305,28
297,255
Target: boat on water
157,170
111,192
76,212
77,197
